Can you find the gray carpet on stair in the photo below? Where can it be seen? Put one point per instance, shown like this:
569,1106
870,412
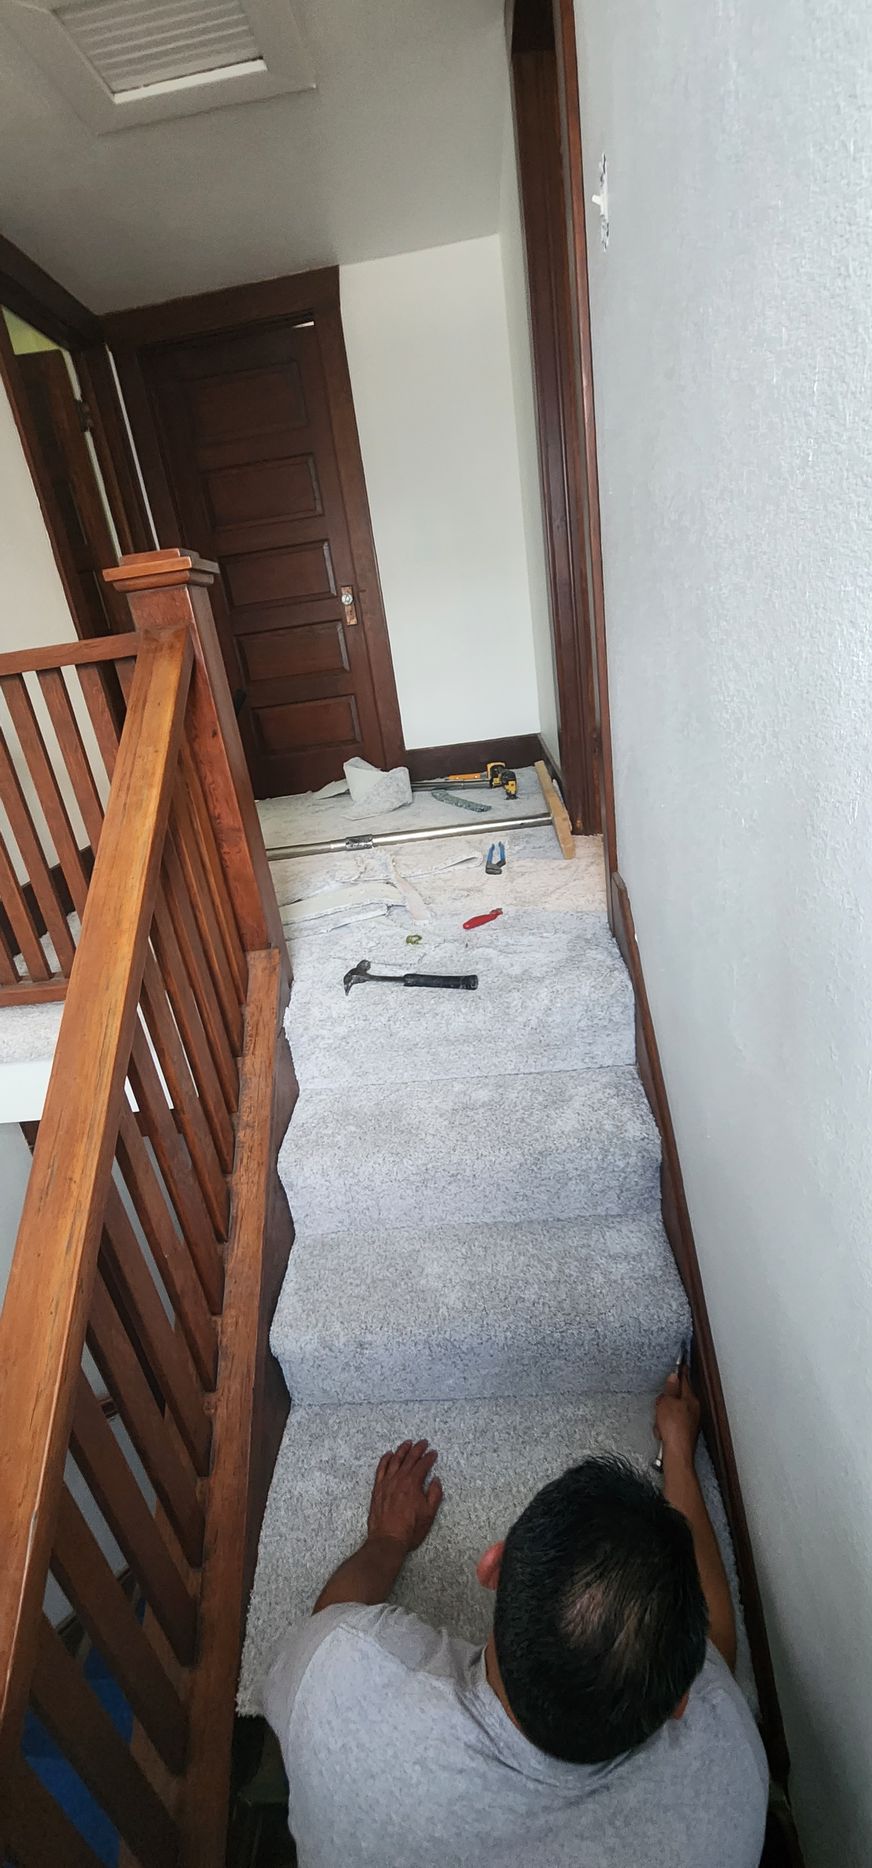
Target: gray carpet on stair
550,1146
494,1455
553,994
475,1180
568,1308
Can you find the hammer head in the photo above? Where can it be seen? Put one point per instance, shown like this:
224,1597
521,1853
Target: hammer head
356,974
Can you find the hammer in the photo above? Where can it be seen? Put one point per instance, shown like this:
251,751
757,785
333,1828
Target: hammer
360,975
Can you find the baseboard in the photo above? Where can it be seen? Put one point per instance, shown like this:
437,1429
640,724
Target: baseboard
472,755
676,1221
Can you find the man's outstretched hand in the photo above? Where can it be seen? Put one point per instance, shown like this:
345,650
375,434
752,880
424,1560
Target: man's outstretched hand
676,1417
401,1512
403,1506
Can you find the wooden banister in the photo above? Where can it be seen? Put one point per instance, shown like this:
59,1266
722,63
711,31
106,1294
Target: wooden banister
155,1231
44,1317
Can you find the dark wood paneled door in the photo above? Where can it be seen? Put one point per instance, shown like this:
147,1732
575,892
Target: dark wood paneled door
247,426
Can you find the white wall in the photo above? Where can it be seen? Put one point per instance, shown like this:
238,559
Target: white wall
521,364
429,357
732,332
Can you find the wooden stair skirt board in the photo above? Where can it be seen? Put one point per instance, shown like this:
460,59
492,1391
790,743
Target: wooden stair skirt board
782,1841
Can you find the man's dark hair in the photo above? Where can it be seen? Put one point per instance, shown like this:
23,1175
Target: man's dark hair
600,1620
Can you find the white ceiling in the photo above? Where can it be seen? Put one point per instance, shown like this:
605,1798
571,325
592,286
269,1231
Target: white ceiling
397,148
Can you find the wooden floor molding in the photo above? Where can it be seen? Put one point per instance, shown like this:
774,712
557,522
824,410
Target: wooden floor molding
676,1220
472,755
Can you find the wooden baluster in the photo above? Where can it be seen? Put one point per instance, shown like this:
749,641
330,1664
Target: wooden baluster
187,1016
191,947
60,708
239,1405
96,1750
203,839
37,1830
104,1467
211,931
9,975
93,682
48,790
135,1295
34,860
173,1479
164,588
177,1264
23,925
108,1617
208,1167
62,1220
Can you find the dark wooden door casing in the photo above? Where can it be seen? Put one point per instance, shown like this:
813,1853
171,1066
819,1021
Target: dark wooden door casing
561,458
243,416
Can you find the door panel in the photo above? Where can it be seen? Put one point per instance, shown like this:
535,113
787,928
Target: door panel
244,422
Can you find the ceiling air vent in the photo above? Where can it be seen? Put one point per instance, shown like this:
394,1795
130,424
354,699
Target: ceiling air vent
127,62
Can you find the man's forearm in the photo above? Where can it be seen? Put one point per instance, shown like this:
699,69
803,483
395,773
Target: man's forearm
681,1488
368,1576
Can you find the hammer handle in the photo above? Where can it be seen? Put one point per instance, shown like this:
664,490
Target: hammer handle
463,982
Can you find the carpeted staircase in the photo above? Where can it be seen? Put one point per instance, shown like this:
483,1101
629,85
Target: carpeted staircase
479,1256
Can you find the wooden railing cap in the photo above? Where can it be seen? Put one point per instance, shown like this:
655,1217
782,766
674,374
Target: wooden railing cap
156,570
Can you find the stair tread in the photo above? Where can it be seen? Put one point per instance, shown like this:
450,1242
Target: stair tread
494,1455
551,1145
553,994
474,1311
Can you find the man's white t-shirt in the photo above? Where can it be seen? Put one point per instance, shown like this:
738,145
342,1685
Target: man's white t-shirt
400,1755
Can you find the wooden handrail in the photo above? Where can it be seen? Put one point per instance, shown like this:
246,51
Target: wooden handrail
70,654
42,1327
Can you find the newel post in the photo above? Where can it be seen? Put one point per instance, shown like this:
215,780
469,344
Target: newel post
163,589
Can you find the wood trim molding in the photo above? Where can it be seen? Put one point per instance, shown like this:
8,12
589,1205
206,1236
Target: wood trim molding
206,313
38,298
349,461
472,755
114,453
570,125
677,1224
559,429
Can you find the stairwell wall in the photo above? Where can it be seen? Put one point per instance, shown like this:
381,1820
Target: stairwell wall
428,351
731,338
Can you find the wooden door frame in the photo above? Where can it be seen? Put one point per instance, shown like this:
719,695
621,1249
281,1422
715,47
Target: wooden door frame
42,302
541,41
296,296
536,117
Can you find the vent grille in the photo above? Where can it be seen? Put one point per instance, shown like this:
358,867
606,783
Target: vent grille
132,44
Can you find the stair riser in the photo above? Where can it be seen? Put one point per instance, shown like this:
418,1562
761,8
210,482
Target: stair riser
532,1148
593,1306
541,1005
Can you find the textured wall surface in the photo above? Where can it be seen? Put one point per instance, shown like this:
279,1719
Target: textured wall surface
732,319
428,351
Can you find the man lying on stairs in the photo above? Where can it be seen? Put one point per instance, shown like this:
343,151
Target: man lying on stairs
600,1727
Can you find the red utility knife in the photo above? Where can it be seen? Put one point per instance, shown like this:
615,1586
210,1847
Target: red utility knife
480,921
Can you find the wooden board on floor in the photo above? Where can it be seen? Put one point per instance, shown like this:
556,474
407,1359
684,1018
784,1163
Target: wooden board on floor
559,814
